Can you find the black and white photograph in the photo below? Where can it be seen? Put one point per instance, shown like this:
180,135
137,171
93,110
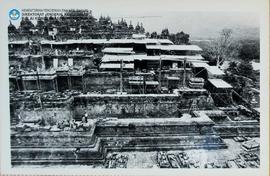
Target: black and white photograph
123,86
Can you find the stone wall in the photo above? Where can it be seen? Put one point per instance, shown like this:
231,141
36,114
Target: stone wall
104,81
50,115
155,130
53,139
122,106
137,106
47,85
30,85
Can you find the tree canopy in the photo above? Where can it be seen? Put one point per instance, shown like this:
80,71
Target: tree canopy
178,38
249,50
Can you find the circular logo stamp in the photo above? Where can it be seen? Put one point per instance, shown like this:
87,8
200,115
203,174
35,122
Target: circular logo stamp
14,14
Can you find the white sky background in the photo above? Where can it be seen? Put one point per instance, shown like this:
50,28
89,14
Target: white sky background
170,14
157,15
198,24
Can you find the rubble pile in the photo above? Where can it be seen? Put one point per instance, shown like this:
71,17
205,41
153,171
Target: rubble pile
41,125
36,99
116,161
179,160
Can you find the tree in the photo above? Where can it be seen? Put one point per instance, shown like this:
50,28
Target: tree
11,28
154,35
233,67
137,28
172,37
147,34
221,48
40,23
130,27
246,69
249,50
165,33
26,24
181,38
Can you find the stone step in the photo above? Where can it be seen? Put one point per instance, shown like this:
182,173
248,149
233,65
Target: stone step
96,153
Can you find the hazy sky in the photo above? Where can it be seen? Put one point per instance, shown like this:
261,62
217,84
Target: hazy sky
201,21
197,24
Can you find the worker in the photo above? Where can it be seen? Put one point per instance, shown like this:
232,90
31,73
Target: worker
84,118
73,124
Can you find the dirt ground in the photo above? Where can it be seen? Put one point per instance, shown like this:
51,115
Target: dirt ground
201,156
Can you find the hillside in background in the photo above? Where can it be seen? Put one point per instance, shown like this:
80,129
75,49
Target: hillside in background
238,33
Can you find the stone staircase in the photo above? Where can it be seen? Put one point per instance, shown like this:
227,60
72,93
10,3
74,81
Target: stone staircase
88,151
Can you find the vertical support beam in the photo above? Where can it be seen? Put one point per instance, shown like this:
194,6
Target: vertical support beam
144,85
37,84
159,107
23,84
56,84
43,63
83,85
40,47
70,62
134,107
37,81
167,83
159,76
17,82
184,77
121,76
69,82
40,101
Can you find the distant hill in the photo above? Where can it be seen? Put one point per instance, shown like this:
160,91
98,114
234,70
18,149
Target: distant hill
239,33
246,33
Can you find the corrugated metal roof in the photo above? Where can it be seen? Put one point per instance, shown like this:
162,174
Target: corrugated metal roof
112,41
151,83
200,64
116,66
219,83
19,42
94,41
175,47
135,82
118,50
173,78
138,36
188,57
129,58
214,70
165,41
181,47
117,58
168,57
152,46
145,57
